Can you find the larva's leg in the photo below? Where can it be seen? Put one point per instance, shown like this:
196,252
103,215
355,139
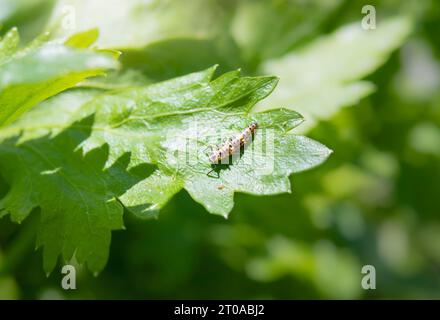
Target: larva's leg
211,176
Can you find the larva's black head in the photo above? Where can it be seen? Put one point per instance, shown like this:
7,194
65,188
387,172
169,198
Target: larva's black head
253,126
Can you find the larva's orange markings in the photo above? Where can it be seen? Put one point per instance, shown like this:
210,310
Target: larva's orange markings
233,145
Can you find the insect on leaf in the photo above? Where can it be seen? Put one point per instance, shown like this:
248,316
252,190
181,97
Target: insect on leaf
171,124
83,155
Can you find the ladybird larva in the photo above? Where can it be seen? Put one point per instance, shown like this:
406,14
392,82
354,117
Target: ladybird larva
233,144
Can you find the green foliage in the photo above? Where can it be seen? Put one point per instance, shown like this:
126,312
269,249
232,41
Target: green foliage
268,29
334,64
33,74
187,109
138,22
77,198
71,165
30,15
333,272
8,286
149,125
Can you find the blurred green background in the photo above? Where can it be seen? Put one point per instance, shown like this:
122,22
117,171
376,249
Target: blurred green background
374,202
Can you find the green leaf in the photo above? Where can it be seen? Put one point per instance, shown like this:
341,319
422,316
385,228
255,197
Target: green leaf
41,70
137,23
121,134
8,45
324,76
76,195
268,29
165,57
170,124
83,39
30,15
